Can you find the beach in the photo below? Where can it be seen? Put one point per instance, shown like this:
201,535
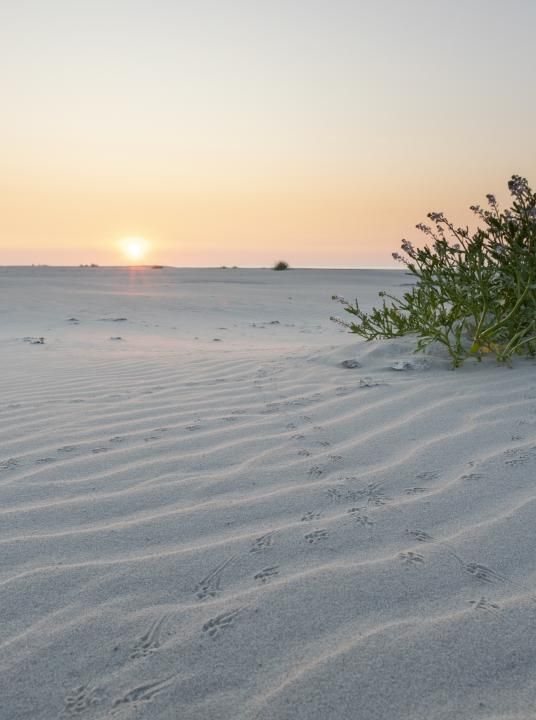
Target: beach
217,504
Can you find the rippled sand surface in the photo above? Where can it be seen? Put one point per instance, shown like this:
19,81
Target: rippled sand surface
204,515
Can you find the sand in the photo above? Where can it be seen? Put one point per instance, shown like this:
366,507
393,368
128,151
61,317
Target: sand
205,516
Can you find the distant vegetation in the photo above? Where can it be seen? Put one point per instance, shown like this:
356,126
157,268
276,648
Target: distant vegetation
474,293
281,265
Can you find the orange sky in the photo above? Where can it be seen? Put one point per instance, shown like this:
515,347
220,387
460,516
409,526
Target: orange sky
238,133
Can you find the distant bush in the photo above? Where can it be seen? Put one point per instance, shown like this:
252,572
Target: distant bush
474,293
281,265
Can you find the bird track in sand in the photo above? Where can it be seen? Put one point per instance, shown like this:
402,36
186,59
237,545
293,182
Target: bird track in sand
209,586
143,693
263,542
266,574
316,536
215,626
149,642
477,570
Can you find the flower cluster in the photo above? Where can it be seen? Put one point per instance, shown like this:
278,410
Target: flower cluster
474,293
518,186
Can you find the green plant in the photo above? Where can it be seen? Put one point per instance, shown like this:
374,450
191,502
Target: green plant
474,293
281,265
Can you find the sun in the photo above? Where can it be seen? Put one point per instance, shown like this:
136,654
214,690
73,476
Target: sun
135,248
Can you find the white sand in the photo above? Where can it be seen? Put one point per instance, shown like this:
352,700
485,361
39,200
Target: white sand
244,529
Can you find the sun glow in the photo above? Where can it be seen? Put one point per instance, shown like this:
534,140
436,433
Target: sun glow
135,248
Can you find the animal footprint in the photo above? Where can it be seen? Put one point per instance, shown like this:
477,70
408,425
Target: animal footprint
427,475
150,641
374,495
420,535
210,585
44,461
216,625
411,559
341,493
481,572
67,449
316,536
265,575
335,458
117,439
315,471
486,574
472,476
357,514
415,490
517,456
142,693
369,382
98,450
311,515
304,453
82,698
485,605
263,542
271,407
9,464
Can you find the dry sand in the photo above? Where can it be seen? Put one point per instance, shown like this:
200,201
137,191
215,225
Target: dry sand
212,519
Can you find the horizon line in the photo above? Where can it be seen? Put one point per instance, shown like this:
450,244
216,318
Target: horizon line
96,266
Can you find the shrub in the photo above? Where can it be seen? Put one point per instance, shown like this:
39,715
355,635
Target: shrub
281,265
474,293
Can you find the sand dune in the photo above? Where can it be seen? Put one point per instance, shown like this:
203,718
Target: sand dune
214,519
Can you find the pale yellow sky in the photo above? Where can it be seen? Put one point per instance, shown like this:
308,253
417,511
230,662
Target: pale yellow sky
237,133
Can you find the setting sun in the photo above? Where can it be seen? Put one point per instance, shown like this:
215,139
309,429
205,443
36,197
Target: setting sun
135,248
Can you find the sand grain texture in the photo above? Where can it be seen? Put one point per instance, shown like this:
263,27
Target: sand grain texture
247,529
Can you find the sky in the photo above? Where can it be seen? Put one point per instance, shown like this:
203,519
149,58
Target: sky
234,132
